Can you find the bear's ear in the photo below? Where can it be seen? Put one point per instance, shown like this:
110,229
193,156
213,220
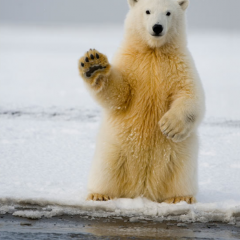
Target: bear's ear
132,2
183,4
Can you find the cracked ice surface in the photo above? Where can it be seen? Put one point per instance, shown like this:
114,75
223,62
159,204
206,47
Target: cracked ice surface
49,123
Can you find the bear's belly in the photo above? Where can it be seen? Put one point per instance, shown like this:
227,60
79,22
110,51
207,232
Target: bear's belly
139,126
146,156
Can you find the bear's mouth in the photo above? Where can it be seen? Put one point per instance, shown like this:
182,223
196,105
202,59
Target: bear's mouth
157,35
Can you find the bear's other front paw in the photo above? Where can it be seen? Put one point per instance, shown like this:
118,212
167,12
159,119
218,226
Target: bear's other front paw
98,197
94,67
175,128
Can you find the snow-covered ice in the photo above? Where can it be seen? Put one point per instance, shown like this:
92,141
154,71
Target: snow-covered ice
49,123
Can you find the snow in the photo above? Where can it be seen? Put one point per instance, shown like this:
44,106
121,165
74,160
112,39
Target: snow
49,124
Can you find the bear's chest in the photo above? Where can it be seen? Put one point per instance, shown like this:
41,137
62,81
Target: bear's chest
152,73
152,81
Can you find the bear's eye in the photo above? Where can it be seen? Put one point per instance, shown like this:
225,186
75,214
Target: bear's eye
168,14
148,12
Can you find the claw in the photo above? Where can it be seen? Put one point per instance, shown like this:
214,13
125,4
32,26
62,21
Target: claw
97,56
92,57
82,64
86,59
98,197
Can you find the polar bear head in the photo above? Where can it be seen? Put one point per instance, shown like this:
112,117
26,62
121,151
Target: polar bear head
156,22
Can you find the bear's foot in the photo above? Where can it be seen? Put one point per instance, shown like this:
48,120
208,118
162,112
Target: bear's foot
93,66
98,197
175,200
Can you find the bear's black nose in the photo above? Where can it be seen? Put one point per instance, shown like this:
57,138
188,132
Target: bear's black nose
157,29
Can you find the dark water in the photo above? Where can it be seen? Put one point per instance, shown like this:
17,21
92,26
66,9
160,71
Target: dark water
80,227
41,236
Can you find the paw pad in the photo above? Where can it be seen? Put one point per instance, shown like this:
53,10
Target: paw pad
93,69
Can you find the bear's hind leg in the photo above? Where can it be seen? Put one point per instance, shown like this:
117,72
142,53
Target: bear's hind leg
108,176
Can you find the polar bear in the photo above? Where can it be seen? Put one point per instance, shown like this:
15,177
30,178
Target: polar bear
153,102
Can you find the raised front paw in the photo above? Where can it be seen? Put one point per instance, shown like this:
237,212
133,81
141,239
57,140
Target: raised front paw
176,127
92,65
